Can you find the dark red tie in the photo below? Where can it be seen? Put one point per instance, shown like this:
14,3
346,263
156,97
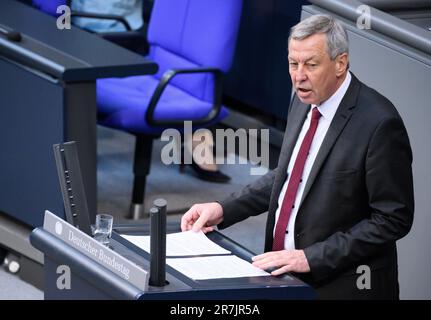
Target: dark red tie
295,179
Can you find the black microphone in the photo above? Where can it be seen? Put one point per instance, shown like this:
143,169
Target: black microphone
11,35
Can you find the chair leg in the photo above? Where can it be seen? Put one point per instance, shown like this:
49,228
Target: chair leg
141,168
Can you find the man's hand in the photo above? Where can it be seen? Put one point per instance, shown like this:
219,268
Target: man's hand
202,216
284,260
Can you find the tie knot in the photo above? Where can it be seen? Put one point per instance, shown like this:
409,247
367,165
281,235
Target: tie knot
315,114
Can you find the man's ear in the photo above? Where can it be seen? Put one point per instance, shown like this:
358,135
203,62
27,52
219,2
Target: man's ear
341,64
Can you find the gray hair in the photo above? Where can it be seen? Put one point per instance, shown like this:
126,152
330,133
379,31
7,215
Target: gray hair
336,35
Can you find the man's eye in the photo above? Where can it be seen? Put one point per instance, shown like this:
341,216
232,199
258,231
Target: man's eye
293,64
312,65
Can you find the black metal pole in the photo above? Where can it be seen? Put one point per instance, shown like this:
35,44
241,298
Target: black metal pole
158,243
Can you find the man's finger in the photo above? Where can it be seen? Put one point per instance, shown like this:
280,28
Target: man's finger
261,256
264,265
265,255
199,224
207,229
187,219
263,261
281,270
185,223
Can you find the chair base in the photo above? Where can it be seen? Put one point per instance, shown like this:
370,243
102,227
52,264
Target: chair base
136,211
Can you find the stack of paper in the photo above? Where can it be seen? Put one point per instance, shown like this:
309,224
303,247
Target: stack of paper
215,267
199,258
182,244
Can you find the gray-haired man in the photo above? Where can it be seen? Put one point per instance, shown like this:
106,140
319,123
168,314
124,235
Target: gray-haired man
342,193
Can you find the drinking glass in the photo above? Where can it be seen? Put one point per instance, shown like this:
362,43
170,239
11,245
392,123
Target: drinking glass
103,228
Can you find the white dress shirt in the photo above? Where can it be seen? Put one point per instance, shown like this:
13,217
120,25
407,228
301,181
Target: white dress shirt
327,110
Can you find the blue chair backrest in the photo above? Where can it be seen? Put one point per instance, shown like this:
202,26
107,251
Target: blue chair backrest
49,6
194,33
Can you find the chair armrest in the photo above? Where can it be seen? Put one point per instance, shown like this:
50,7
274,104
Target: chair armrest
102,16
167,77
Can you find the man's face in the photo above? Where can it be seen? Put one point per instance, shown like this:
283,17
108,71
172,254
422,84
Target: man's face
314,75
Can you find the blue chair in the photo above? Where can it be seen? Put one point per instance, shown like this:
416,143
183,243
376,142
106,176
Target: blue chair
193,42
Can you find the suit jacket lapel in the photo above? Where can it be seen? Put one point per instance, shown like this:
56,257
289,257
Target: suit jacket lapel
342,116
296,119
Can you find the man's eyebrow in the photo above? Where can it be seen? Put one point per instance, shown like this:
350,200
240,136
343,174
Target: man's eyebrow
306,60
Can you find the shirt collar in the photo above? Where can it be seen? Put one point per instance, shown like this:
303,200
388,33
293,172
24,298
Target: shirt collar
330,106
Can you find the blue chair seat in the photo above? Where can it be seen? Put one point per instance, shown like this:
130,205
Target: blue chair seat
123,103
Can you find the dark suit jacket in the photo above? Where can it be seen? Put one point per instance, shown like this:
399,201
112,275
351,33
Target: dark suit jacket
358,199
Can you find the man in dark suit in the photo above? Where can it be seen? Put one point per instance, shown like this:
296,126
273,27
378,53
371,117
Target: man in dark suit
342,193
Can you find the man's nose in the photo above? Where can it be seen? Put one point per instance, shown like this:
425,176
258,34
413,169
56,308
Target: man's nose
300,74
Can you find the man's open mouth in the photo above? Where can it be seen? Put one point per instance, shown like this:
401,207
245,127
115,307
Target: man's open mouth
304,90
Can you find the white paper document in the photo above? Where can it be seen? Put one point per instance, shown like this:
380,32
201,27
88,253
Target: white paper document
187,243
215,267
199,258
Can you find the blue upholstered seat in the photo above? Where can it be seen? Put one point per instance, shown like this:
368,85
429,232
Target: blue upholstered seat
133,91
183,34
